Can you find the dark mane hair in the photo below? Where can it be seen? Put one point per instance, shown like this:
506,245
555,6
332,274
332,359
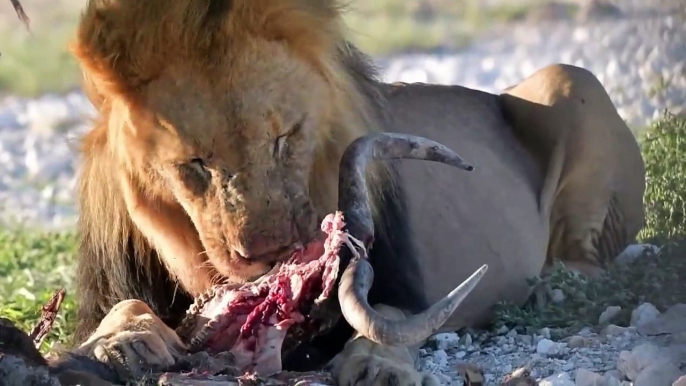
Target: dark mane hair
115,261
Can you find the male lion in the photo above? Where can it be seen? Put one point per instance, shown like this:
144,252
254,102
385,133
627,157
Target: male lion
223,124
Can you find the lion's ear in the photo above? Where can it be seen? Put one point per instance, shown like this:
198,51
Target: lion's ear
102,46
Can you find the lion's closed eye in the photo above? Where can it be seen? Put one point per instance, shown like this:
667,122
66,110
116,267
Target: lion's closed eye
195,175
281,143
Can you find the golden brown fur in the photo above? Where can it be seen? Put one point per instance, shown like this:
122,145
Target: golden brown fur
127,210
222,126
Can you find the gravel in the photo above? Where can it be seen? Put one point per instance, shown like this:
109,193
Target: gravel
613,355
640,57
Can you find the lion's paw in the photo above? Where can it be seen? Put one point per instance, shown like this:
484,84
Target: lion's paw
133,340
377,370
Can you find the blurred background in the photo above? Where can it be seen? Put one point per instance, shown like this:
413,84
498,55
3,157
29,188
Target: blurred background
637,48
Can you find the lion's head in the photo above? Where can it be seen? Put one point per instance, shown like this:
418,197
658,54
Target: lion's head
223,122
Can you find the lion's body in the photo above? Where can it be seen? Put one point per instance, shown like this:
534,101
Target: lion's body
191,80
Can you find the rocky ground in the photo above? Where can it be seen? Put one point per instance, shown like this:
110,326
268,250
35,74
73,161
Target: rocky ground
651,351
638,51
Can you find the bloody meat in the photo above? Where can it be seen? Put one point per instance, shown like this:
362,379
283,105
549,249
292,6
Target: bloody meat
252,320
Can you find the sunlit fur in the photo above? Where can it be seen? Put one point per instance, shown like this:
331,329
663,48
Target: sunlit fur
217,80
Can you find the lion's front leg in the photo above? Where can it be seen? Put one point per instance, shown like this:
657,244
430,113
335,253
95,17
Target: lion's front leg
364,362
133,340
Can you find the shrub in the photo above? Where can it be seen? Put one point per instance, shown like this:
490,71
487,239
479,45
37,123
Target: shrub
664,152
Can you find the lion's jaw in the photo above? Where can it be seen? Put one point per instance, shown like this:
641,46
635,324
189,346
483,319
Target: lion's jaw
240,172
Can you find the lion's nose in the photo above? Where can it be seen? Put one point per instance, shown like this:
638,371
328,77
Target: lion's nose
265,251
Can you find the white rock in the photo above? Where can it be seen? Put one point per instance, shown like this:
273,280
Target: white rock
643,314
577,341
525,339
672,321
446,340
558,379
631,363
658,374
440,358
549,348
586,377
609,314
558,296
466,340
611,381
635,251
613,374
613,330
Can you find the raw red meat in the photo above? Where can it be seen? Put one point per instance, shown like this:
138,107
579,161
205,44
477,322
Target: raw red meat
251,320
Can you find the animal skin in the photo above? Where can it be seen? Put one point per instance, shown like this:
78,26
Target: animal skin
223,123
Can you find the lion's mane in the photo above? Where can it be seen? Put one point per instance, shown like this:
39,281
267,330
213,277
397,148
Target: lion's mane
123,44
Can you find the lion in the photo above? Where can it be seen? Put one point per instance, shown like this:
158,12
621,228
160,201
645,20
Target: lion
222,124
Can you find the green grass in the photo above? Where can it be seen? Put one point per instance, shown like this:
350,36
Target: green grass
654,278
32,266
663,146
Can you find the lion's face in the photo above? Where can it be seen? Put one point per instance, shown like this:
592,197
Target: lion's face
235,152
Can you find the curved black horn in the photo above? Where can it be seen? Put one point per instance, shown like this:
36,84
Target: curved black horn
358,276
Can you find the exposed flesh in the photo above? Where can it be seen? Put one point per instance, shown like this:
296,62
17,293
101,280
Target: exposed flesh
252,320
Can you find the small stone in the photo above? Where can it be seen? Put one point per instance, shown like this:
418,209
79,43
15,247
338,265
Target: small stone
466,340
631,363
568,366
511,333
549,348
612,378
502,330
613,330
545,332
673,321
461,354
586,377
445,378
525,339
611,381
658,374
578,342
440,357
643,314
609,314
558,296
635,251
445,341
558,379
